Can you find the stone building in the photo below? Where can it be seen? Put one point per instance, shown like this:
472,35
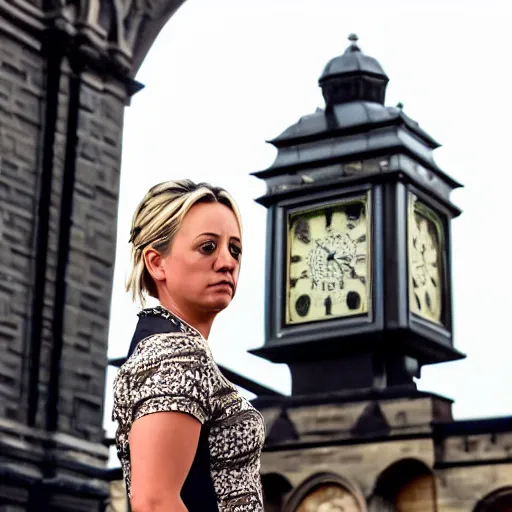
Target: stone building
66,74
67,71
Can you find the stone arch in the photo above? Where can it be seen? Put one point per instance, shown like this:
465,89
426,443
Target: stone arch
275,488
326,492
408,484
499,500
121,31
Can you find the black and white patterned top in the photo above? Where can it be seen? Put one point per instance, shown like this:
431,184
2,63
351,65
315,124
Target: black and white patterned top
171,368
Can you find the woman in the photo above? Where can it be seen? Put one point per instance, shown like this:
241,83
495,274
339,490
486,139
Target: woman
186,438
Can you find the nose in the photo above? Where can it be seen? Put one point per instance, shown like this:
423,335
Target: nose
224,261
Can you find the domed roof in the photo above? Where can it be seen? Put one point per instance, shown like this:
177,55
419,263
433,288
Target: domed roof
352,61
353,76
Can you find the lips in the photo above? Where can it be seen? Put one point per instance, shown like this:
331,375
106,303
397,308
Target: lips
225,283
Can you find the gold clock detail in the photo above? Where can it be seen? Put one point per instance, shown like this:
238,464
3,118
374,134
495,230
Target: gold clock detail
425,261
328,261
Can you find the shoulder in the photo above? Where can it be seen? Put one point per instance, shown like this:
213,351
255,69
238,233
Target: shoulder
177,365
158,349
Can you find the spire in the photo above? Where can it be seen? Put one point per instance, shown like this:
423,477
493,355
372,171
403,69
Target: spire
353,76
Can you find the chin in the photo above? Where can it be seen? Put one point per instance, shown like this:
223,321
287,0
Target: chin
219,304
222,305
215,302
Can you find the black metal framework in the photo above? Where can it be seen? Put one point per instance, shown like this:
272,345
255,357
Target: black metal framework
326,333
389,324
388,345
443,333
357,145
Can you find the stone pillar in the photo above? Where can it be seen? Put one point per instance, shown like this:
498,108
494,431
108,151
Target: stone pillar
66,74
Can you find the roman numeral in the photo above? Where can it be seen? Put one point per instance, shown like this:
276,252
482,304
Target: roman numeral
328,306
328,218
302,231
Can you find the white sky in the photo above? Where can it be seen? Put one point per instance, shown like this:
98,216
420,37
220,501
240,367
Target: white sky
226,75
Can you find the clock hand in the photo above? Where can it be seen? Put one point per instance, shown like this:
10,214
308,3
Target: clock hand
332,257
344,259
322,246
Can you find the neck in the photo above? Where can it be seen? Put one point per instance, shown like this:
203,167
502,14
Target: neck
199,321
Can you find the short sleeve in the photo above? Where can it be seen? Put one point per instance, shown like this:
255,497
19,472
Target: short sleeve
171,374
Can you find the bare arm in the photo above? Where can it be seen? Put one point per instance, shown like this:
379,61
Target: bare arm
162,449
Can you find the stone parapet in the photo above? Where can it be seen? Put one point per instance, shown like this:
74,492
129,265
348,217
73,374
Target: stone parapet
379,452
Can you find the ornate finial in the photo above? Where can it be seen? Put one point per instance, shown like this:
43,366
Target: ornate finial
353,44
400,105
353,38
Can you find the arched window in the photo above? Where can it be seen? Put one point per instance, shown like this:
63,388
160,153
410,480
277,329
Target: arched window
498,501
326,493
406,485
275,489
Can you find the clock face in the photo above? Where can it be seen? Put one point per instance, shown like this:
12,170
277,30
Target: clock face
425,261
330,498
328,262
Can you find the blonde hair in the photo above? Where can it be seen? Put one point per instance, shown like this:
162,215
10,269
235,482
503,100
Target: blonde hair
156,221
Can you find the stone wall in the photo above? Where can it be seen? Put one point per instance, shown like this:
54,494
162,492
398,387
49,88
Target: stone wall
91,254
401,453
61,121
22,70
66,75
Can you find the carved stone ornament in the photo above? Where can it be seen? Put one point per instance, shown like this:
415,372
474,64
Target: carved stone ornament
120,30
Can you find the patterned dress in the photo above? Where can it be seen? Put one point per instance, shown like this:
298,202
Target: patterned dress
171,368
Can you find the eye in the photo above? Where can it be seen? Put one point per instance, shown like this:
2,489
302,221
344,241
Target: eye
236,251
208,247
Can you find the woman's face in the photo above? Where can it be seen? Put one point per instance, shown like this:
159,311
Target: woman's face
203,263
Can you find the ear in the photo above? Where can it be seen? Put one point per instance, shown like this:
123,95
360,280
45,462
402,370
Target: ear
154,264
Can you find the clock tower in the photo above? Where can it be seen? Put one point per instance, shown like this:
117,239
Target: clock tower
358,300
358,251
